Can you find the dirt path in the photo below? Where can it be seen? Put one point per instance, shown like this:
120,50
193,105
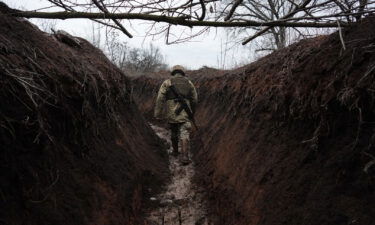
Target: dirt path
182,202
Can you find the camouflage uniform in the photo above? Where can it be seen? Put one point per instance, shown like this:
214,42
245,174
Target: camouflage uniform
166,105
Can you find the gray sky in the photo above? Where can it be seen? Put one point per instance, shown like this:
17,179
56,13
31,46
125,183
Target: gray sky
205,50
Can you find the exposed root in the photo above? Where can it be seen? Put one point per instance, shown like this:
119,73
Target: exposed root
48,189
369,164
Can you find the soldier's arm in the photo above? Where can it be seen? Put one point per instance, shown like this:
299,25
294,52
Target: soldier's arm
160,99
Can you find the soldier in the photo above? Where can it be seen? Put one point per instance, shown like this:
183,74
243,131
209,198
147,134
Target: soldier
179,97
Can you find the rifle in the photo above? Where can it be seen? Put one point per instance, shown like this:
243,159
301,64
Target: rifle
184,105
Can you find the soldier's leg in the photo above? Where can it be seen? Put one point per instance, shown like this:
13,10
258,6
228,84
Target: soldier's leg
174,137
185,141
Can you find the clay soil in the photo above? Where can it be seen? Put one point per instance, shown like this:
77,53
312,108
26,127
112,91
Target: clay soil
74,147
182,201
288,139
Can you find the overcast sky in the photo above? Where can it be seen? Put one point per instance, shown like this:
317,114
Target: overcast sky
202,51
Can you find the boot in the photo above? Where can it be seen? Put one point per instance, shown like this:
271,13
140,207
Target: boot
185,152
174,146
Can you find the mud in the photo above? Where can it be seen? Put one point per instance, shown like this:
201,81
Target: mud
182,201
287,139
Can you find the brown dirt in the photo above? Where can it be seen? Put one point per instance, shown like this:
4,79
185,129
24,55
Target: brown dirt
285,140
182,200
75,149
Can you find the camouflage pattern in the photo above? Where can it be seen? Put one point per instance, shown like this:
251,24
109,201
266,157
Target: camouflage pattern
178,67
184,131
165,108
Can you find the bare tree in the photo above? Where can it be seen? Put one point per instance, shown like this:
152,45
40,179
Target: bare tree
269,10
263,16
141,60
114,48
132,60
95,37
47,25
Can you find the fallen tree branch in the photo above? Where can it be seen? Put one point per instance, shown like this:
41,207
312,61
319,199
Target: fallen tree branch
167,19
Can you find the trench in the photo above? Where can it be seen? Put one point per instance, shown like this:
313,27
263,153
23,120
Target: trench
288,139
182,200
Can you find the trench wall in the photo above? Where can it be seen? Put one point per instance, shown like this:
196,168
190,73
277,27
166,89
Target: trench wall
74,147
288,139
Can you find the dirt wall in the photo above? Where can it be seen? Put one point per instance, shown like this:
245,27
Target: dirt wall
289,139
74,147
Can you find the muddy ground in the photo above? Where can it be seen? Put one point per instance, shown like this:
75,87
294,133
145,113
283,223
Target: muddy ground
182,201
288,139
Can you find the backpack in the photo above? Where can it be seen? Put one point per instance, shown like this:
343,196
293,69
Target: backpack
183,87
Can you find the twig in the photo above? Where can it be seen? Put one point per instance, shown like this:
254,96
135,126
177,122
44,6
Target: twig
105,11
369,155
231,11
369,164
340,34
297,9
201,18
359,128
48,189
366,74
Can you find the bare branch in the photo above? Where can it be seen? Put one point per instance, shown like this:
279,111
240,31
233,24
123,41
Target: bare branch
297,9
361,9
274,16
234,7
167,19
105,11
201,18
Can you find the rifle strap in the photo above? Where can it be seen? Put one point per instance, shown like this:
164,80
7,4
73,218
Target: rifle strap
180,98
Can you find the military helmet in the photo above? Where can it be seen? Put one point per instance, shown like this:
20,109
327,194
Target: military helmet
177,69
